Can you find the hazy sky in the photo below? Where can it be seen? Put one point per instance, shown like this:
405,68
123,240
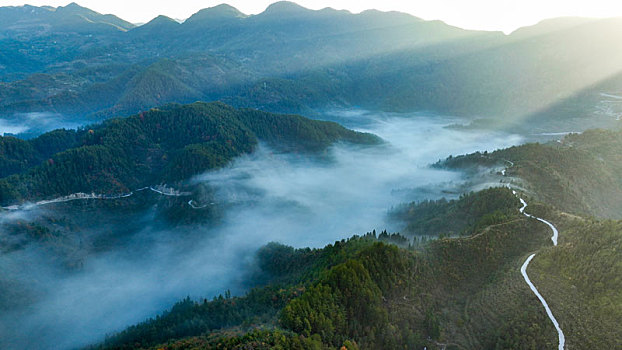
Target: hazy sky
505,15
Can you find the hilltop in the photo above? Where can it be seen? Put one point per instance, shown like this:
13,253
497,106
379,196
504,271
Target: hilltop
162,145
579,174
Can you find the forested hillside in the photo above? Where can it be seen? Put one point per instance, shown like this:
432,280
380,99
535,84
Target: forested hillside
120,195
162,145
459,293
17,155
464,216
579,174
75,62
463,292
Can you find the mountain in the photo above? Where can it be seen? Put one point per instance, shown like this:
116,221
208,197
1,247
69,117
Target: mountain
31,21
39,39
284,8
168,144
270,45
366,293
578,175
108,224
463,290
160,25
209,16
326,58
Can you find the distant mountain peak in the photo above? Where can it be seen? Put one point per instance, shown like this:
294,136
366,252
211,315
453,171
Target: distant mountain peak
219,12
74,7
225,9
284,7
162,19
89,17
391,15
160,23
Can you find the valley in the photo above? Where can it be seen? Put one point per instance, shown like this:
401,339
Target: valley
476,289
308,179
243,196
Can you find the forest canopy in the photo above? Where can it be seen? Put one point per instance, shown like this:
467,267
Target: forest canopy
162,145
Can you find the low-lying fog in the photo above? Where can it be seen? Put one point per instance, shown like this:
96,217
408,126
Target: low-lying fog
287,198
28,125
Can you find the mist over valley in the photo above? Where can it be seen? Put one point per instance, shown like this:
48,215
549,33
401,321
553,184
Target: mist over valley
295,199
308,179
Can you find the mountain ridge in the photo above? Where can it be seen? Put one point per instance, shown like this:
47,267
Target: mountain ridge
167,144
323,57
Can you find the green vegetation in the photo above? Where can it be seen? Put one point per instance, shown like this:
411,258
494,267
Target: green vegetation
579,175
187,317
582,281
371,292
256,339
287,271
77,63
161,145
461,292
17,155
580,277
464,216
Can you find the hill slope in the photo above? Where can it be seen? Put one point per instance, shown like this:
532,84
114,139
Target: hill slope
460,293
291,59
580,174
161,145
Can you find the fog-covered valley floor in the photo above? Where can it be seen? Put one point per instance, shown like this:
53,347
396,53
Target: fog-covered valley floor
266,196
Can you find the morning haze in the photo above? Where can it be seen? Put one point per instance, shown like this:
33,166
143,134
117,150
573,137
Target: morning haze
313,175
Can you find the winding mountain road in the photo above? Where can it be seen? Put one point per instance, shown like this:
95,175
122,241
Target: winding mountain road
523,270
161,190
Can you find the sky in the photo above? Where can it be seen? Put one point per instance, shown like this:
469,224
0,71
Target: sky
505,15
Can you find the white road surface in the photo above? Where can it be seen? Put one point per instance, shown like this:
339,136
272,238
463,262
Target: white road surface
523,270
560,333
162,190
